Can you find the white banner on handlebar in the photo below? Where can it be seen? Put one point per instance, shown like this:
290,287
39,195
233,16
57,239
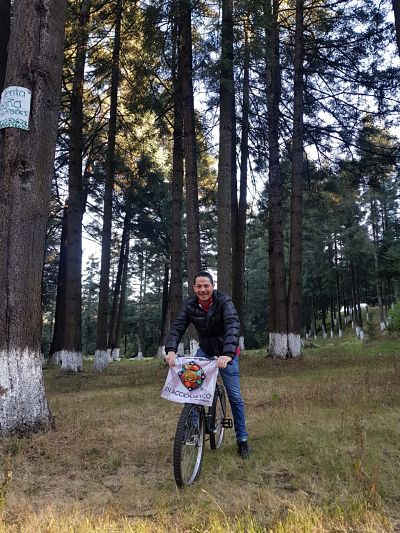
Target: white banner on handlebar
191,380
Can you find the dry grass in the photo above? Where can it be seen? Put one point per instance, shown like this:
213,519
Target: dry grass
325,453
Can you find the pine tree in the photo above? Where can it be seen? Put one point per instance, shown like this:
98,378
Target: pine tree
25,173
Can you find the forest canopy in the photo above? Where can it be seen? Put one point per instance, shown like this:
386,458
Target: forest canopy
174,117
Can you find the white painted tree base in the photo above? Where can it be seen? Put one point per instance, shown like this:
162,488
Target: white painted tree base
115,354
56,358
361,334
161,352
383,325
139,355
278,345
332,334
101,360
23,403
340,333
71,361
194,346
294,344
241,343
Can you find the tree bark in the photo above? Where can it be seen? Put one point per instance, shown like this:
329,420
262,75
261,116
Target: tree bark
25,181
314,312
71,351
354,300
175,291
165,320
101,357
59,320
121,306
112,339
338,292
278,345
5,20
142,263
379,291
238,288
360,320
332,309
227,197
5,14
189,143
296,205
396,10
323,316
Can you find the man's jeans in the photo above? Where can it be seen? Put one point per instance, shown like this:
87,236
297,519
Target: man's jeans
231,379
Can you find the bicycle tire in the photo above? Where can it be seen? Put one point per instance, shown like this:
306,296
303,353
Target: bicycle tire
189,445
217,415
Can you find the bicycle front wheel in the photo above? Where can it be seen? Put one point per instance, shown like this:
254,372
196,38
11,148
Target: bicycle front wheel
189,445
217,416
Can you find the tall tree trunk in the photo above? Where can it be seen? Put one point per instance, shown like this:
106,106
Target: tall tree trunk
340,325
226,147
121,306
238,287
175,291
378,284
396,9
57,342
142,292
5,14
296,205
112,338
332,308
101,357
71,349
314,312
5,19
25,181
308,310
323,316
354,300
360,320
278,345
189,143
165,315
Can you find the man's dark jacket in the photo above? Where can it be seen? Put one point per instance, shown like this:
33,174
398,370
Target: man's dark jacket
218,328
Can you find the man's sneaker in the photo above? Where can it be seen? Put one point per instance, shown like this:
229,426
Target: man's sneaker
243,448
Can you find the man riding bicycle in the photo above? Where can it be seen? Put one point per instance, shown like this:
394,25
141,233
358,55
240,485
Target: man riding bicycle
217,323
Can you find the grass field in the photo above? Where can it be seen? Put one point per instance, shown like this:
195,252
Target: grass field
325,438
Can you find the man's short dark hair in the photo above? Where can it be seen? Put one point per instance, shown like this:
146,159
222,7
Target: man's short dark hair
203,274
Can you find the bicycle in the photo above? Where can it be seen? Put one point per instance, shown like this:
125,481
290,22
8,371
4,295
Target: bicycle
194,423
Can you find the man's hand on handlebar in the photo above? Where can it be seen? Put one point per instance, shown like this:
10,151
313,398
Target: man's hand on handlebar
170,358
223,360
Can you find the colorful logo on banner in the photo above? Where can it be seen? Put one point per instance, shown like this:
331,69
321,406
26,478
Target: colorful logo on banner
191,375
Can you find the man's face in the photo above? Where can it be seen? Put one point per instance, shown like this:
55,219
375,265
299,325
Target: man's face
203,288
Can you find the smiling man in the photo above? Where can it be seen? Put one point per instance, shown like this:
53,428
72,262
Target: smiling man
217,323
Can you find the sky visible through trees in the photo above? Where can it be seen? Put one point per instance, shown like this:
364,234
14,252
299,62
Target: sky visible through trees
348,67
256,139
